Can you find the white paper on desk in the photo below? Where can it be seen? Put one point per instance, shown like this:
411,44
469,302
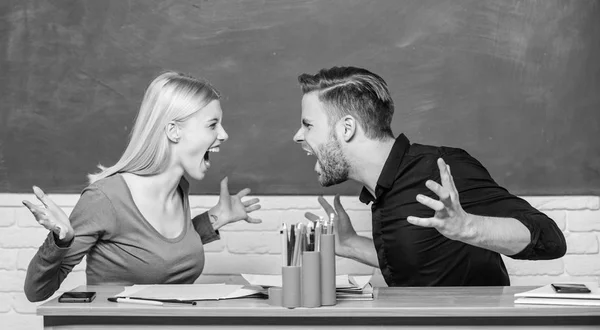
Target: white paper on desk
364,294
555,301
341,281
361,281
189,292
547,291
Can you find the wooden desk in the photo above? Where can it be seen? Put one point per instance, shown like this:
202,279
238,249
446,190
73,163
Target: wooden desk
397,308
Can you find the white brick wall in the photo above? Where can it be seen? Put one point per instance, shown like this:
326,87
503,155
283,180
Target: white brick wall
247,248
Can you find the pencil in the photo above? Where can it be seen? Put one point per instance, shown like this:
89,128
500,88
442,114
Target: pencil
135,301
298,244
284,245
330,224
292,245
318,236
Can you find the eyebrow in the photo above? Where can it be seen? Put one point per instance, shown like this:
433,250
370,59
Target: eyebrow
213,119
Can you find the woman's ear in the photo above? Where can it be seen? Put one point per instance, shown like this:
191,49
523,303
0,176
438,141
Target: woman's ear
173,132
349,127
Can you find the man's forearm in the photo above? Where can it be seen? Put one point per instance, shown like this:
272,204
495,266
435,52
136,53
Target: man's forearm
361,249
507,236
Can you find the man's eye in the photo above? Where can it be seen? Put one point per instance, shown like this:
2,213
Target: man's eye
213,126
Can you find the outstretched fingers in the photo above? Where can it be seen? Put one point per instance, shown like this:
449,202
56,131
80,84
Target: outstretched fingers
224,191
39,193
311,217
243,192
338,205
442,192
326,206
42,218
425,222
37,211
430,203
252,208
251,202
253,220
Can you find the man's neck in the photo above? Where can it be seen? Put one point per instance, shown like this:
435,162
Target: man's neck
368,159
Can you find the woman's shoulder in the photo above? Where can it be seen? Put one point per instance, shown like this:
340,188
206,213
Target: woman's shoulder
111,187
98,203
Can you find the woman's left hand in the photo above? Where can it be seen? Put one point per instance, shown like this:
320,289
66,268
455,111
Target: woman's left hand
231,209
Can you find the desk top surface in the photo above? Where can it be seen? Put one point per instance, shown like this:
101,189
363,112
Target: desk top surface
388,302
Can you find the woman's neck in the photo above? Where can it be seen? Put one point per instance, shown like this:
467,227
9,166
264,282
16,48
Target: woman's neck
162,187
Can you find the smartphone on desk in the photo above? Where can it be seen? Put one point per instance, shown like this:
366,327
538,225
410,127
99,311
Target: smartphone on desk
570,288
77,297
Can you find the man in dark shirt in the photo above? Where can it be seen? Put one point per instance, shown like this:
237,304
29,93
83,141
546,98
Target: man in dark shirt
438,216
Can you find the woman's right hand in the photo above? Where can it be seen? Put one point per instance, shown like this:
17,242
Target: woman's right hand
51,216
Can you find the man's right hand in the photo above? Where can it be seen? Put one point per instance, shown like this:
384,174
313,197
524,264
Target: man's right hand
51,216
343,229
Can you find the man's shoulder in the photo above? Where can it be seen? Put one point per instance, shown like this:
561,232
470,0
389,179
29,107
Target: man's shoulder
420,161
428,153
424,150
462,163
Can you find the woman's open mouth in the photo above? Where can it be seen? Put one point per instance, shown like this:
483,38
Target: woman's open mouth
206,156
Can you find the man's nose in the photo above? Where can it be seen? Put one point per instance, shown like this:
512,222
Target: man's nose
299,137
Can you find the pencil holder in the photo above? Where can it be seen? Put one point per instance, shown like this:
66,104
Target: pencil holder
292,286
275,296
311,279
328,270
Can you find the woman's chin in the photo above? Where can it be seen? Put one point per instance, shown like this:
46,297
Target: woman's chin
198,174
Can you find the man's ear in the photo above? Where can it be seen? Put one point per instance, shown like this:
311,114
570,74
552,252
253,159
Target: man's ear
349,128
173,132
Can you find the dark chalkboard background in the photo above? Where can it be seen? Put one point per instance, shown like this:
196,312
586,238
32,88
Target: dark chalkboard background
515,83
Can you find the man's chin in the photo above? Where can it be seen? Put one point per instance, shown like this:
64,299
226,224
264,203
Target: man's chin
325,183
328,182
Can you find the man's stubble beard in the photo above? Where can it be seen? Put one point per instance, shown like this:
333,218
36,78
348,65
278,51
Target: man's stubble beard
334,165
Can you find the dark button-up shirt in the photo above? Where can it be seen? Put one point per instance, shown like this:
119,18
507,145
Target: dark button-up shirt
418,256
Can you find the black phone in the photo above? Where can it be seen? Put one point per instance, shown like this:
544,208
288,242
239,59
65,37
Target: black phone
570,288
77,297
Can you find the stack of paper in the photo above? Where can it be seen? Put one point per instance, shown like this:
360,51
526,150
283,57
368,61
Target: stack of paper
191,292
547,296
360,288
347,287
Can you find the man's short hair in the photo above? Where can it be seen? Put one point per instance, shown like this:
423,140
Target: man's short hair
353,91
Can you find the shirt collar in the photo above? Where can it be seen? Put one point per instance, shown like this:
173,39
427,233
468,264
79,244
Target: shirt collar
389,171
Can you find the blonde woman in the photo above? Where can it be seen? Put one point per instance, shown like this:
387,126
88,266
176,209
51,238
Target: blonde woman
133,221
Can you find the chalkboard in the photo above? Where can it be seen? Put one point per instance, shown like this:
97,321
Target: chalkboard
515,83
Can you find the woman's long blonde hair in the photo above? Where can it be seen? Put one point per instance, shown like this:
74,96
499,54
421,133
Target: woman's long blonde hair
171,96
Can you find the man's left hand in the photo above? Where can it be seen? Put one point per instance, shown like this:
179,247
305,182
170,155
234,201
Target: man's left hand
450,219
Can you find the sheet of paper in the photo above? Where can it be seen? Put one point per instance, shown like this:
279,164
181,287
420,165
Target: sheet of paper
188,291
265,281
547,291
247,291
554,301
365,294
361,281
